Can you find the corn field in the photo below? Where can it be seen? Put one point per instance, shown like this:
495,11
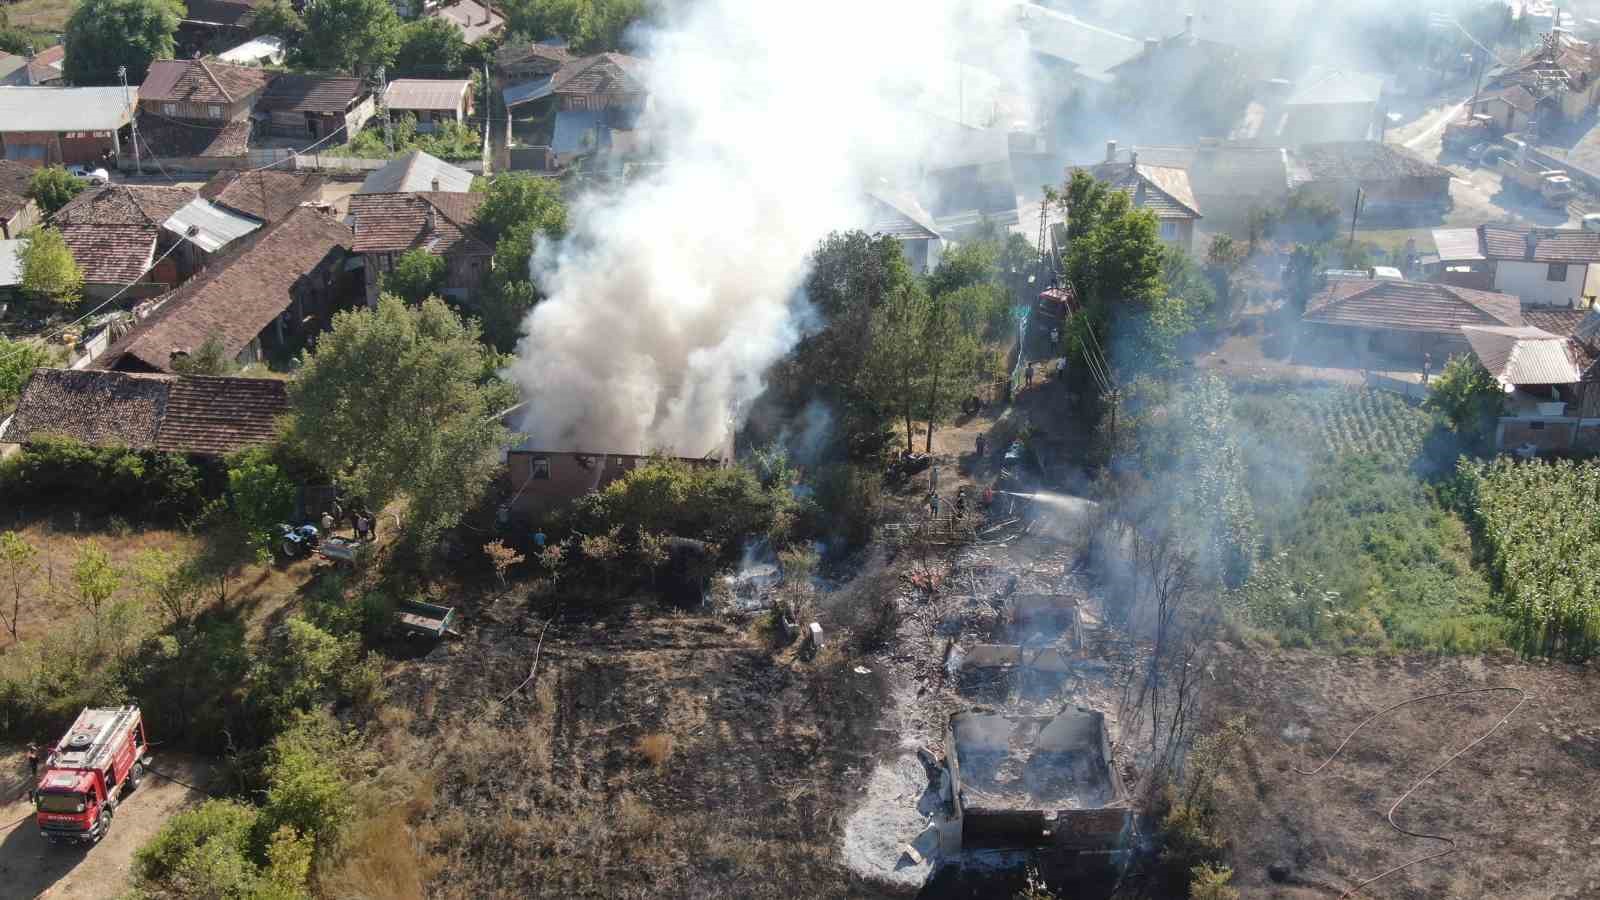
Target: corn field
1541,521
1376,423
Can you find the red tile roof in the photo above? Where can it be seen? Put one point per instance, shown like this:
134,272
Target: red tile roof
201,81
263,194
395,223
123,204
237,297
1165,190
1571,245
1410,306
172,413
167,137
111,254
311,93
603,73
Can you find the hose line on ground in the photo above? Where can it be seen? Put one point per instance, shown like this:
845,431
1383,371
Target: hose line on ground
1450,844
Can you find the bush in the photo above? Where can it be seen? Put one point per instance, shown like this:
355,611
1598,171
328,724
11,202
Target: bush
1208,882
417,275
306,790
722,506
142,485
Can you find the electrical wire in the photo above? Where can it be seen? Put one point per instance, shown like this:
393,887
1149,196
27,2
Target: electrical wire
1449,842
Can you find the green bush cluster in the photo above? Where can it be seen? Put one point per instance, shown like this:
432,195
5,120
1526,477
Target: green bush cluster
139,484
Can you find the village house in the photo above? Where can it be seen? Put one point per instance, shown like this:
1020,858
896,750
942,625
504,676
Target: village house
1542,266
1163,190
431,101
1405,319
315,106
1068,53
897,214
417,171
1323,105
198,107
265,195
18,212
1550,369
10,271
1395,183
574,110
1228,179
475,20
966,179
441,223
541,482
42,126
42,68
1509,108
197,415
117,232
1561,76
275,291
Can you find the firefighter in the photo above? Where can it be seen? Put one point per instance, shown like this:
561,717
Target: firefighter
1027,376
961,503
33,759
981,444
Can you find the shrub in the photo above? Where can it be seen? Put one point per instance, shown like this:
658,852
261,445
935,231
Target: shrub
306,790
417,275
143,485
655,749
1209,882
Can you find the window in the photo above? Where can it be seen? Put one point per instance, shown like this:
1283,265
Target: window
1558,272
169,109
1536,426
541,469
214,112
1169,230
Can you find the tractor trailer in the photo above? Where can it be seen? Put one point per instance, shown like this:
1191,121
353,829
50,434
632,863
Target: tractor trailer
102,758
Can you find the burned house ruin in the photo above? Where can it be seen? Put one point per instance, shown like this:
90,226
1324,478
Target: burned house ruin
1018,782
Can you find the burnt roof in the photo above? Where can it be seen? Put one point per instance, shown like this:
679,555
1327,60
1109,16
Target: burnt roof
549,57
237,296
395,223
1364,161
1549,245
145,411
263,194
311,93
1411,306
201,81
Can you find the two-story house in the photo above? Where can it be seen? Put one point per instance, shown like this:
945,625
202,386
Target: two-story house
198,107
439,222
575,109
1542,266
316,106
1164,190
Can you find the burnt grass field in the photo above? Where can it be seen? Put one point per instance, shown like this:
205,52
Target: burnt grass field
1520,805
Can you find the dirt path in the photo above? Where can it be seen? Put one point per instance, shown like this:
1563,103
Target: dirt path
31,868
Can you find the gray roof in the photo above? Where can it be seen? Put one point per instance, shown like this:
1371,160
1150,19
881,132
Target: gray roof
1523,355
64,108
1327,86
11,263
1457,244
897,214
1091,49
216,227
416,171
543,86
425,93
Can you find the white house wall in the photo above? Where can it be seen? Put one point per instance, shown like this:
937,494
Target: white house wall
1528,281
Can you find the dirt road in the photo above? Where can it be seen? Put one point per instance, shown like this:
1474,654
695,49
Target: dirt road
31,868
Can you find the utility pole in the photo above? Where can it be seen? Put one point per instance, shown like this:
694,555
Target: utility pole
383,97
133,117
1354,214
485,115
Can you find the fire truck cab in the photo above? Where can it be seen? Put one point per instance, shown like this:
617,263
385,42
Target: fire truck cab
101,759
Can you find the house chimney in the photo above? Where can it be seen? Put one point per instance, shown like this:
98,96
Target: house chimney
433,218
1111,151
1188,25
436,185
1133,160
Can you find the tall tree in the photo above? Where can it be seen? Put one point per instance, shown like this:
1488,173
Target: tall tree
48,270
94,581
353,36
516,198
103,35
52,186
417,275
20,560
399,402
896,366
430,47
951,353
278,18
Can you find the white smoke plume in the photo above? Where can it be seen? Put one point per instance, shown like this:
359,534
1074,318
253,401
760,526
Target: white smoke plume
671,298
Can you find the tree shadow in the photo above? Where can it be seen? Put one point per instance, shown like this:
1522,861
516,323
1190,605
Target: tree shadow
29,865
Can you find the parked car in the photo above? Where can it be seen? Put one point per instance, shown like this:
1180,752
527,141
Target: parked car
94,176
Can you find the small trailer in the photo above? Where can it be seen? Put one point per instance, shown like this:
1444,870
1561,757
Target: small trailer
417,618
347,550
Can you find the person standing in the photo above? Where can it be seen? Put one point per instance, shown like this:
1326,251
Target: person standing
981,444
327,523
33,759
1427,366
1027,376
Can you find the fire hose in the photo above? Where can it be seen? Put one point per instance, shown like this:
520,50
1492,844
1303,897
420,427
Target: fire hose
1450,844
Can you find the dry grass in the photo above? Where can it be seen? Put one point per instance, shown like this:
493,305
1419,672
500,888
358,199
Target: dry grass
656,749
41,15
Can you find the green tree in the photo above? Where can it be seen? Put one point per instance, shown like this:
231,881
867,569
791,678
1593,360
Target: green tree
262,497
1224,266
353,36
210,358
951,353
94,581
52,186
417,275
517,198
898,364
1303,275
20,562
307,792
49,273
18,359
965,265
1212,882
1469,398
430,47
104,35
397,401
278,18
173,582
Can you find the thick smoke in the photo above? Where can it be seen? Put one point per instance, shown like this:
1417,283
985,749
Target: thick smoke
672,298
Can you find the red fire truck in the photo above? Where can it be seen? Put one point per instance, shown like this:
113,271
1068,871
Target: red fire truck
100,760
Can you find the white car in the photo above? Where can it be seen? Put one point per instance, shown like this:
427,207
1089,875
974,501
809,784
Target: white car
93,176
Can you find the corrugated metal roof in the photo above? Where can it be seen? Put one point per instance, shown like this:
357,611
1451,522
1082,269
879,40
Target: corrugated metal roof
64,108
1457,244
1524,355
255,50
416,171
11,263
425,93
1323,86
899,215
1091,49
529,91
217,227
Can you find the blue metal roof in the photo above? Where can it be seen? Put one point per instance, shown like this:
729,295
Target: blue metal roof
528,91
574,126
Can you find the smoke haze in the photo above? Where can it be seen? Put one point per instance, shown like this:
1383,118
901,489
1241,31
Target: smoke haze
672,297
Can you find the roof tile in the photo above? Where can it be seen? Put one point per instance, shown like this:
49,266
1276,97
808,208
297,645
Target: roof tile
1410,306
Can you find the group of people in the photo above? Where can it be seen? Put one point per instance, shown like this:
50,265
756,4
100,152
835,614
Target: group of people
362,522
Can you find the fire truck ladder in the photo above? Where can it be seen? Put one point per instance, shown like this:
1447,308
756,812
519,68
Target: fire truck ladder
96,755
